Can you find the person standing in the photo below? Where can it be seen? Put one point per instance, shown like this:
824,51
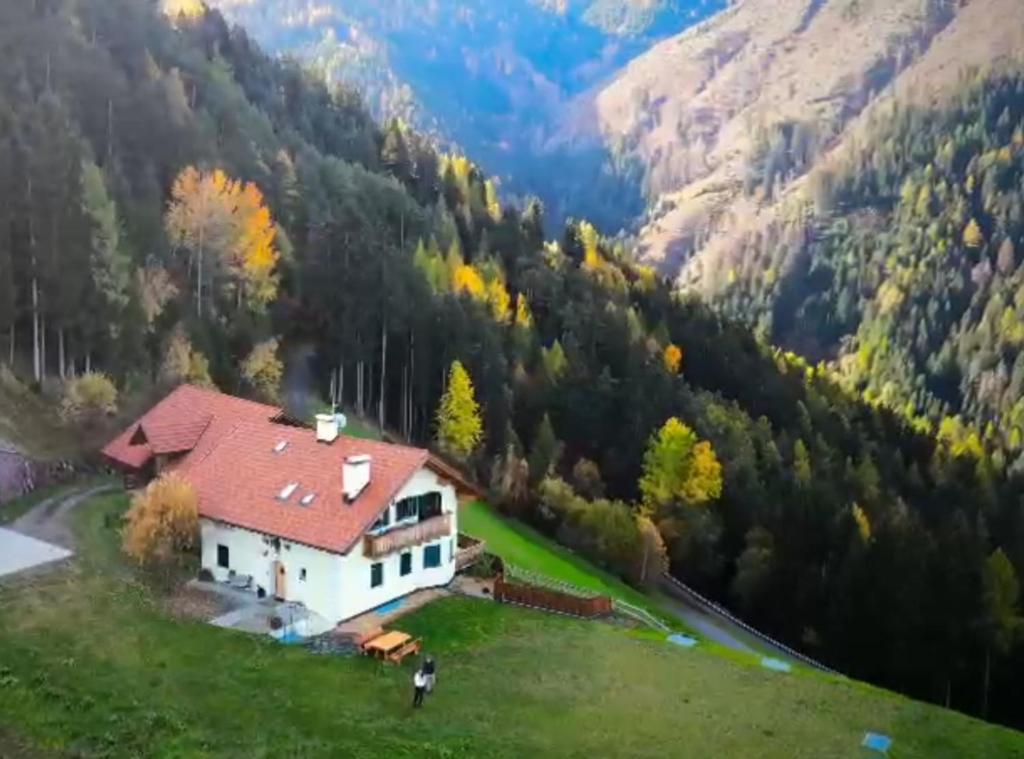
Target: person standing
430,673
419,684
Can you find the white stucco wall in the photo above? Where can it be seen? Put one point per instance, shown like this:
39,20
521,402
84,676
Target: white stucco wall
251,553
336,587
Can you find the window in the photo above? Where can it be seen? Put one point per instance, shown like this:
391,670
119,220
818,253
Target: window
383,520
406,508
302,575
376,575
222,556
430,505
432,556
451,550
405,564
422,506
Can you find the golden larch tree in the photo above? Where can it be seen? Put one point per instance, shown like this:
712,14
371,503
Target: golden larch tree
228,233
459,424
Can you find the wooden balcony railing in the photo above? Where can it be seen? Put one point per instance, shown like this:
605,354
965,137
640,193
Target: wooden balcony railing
404,537
470,551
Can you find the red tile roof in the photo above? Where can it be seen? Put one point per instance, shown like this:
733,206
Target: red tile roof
176,437
238,474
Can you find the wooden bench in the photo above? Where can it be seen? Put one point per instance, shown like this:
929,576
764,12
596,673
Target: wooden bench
392,646
411,648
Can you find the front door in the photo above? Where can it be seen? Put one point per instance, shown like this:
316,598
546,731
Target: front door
280,580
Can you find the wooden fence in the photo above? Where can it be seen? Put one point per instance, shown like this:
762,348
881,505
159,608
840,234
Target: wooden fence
551,600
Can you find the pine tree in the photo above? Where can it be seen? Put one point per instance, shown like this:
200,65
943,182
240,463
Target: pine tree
544,452
459,424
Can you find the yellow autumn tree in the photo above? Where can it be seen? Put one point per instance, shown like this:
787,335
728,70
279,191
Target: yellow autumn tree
262,370
88,398
589,238
459,424
162,525
183,363
491,199
679,469
499,300
673,358
189,9
524,316
860,517
227,232
973,237
468,280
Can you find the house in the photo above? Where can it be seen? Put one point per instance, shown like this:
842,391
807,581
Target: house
338,524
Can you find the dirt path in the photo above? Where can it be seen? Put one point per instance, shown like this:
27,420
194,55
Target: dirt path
49,520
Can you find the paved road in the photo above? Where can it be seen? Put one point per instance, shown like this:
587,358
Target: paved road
714,628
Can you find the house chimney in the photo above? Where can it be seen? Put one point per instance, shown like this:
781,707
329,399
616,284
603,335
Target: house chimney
355,476
326,428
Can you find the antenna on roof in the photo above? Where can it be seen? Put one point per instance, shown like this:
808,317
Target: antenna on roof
336,385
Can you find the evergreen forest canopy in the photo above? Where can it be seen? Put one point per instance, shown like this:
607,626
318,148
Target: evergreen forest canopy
909,271
175,205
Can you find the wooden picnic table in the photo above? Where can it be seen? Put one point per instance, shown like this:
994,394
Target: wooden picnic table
392,646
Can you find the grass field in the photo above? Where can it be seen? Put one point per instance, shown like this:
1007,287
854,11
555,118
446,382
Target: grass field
92,665
526,548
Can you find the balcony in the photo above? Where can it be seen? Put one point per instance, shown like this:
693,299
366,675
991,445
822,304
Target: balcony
398,538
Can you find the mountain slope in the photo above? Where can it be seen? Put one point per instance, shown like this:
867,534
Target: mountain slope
826,521
774,83
493,78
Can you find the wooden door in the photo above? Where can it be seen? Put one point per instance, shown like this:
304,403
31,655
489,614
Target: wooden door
280,580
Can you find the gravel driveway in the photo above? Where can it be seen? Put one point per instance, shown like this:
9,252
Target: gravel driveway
43,534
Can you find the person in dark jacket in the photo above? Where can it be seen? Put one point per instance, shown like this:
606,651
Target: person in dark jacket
430,673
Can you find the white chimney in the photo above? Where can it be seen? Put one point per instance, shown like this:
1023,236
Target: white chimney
355,476
326,428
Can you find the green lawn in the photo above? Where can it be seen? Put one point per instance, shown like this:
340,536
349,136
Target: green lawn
91,665
526,548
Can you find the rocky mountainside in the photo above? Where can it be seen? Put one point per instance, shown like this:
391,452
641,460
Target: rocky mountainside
729,117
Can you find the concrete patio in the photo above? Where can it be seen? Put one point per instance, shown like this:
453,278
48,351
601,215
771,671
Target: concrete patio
251,614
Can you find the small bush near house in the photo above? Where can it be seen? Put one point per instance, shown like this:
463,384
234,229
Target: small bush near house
89,397
486,566
162,526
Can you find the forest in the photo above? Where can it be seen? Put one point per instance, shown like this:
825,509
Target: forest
178,206
907,272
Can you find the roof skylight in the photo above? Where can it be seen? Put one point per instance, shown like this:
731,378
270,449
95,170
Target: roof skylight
279,448
287,490
308,498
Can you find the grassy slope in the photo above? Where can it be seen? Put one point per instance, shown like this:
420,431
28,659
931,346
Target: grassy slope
32,423
526,548
89,663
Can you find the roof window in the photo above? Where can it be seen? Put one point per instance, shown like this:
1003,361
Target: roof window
287,490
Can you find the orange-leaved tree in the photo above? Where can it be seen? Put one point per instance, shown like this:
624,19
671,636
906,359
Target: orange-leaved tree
162,525
227,231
